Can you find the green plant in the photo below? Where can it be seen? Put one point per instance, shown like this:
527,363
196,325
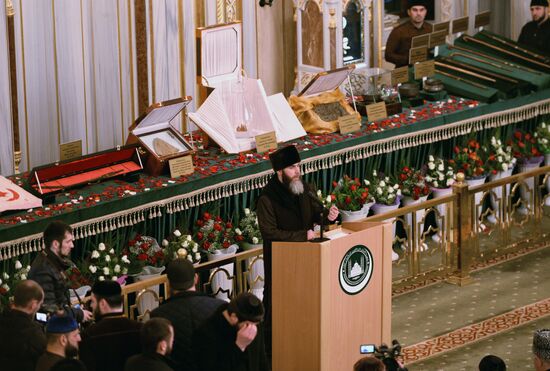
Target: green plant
543,138
249,228
349,194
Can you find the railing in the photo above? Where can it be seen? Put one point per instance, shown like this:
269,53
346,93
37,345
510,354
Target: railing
443,238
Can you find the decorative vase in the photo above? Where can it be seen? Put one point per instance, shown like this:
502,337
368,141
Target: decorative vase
382,209
441,209
222,281
148,301
497,195
407,201
80,292
526,192
256,272
352,216
547,163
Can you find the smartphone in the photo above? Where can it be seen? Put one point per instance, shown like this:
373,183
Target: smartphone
366,348
41,317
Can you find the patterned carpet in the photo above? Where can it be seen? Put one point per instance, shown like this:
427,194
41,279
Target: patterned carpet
504,299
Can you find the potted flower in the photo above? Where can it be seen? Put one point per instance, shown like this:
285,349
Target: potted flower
469,161
440,177
352,198
79,283
215,236
248,233
104,264
145,255
386,193
543,139
413,185
7,283
181,246
525,148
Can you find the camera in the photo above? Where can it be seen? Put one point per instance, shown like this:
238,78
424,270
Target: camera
389,355
366,348
41,317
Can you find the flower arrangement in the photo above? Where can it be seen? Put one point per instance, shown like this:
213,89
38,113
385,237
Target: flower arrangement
524,146
214,233
386,191
412,183
248,229
326,200
438,173
181,246
104,264
8,282
543,138
143,251
76,278
468,160
499,158
350,194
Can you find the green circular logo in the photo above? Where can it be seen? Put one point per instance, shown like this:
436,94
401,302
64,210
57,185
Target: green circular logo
355,269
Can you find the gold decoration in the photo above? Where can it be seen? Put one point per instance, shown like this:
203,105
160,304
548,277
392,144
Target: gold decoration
230,10
17,161
332,20
460,178
10,12
220,13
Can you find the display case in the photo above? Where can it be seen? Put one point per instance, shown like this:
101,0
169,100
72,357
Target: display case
158,137
373,85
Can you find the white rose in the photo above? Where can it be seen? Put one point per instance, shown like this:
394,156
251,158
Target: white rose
379,190
177,233
499,158
399,192
238,231
23,276
197,256
430,158
387,179
246,211
107,258
101,246
195,249
117,268
255,240
101,278
504,167
165,242
493,140
95,254
396,186
450,173
428,178
124,270
106,271
125,259
382,184
6,276
329,199
441,167
6,287
441,177
435,183
391,190
92,268
319,193
449,182
374,173
189,238
391,197
190,258
18,265
185,243
367,183
112,251
0,281
114,278
431,166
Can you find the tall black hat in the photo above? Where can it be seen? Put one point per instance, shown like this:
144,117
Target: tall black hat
284,157
417,3
539,3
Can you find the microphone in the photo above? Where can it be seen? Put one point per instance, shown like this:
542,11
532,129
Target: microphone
324,213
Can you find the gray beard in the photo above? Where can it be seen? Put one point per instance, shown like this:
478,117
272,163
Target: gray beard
296,187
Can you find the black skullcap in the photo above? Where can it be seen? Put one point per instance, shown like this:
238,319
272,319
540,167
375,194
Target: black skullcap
247,307
61,325
539,3
284,157
417,3
492,363
181,274
106,288
541,344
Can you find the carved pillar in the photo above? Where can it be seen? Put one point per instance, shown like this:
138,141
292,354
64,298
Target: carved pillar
10,13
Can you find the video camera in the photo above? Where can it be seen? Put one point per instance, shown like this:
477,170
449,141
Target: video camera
389,355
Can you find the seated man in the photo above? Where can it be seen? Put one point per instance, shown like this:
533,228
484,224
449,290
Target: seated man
22,340
536,33
63,337
113,338
157,339
541,350
186,309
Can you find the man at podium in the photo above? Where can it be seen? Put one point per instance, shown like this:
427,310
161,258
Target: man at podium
287,210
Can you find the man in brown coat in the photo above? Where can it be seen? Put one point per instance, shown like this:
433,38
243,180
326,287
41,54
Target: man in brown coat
400,39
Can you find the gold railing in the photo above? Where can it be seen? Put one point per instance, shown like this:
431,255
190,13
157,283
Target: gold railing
467,233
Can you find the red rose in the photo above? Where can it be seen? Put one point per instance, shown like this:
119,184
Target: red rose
334,183
403,177
517,135
211,236
494,171
527,136
206,245
206,216
348,199
353,187
219,219
406,169
357,181
456,149
521,144
332,197
142,257
200,235
226,244
217,227
200,223
228,225
364,195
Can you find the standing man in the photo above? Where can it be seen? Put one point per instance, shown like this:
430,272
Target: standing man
48,270
400,39
232,339
287,211
186,309
63,338
541,349
113,338
22,340
536,34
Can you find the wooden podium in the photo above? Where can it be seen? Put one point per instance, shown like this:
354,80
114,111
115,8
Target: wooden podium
330,298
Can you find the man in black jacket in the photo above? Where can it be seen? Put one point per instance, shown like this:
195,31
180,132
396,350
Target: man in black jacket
186,309
232,339
157,339
536,33
48,269
287,211
22,340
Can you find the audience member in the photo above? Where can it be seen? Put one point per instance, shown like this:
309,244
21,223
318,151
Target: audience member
48,269
157,339
186,309
63,338
107,344
369,363
69,364
232,339
492,363
541,350
22,340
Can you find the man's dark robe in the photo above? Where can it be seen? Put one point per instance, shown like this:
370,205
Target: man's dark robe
537,36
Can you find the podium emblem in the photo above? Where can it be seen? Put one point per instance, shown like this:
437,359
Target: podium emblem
355,269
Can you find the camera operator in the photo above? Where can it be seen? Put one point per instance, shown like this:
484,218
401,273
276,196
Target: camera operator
389,356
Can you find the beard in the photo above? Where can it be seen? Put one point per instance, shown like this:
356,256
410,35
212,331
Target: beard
71,351
294,185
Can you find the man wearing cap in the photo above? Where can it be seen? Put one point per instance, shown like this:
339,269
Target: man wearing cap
107,343
63,338
48,269
287,210
22,340
541,350
536,34
186,309
232,339
400,39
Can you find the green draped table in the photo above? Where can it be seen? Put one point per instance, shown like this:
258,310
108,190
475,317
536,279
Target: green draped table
111,211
